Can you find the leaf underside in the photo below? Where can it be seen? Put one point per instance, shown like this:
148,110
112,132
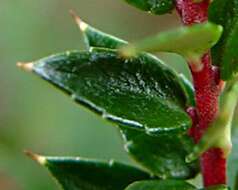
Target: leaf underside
224,53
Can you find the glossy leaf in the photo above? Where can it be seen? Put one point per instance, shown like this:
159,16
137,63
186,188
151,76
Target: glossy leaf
85,174
190,41
161,185
137,93
96,38
163,156
224,53
157,7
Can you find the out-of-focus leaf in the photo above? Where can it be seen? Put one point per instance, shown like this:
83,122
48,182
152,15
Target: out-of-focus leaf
139,93
157,7
163,156
224,53
85,174
189,41
161,185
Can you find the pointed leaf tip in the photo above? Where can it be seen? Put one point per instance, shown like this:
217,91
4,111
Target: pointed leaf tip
82,25
25,66
38,158
128,51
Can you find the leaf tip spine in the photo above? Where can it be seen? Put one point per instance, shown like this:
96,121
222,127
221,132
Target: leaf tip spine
82,25
38,158
128,51
25,66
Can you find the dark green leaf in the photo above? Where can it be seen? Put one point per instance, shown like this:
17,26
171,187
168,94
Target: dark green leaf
224,53
161,185
233,161
96,38
139,93
189,41
157,7
85,174
163,156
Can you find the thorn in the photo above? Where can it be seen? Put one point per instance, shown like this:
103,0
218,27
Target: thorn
38,158
82,25
25,66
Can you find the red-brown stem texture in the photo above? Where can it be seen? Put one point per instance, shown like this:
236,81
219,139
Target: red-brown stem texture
207,85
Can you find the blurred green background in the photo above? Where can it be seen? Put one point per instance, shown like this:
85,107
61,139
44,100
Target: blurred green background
35,116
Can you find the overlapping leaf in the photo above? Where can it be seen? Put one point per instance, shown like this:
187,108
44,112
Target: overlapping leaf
156,151
157,7
85,174
96,38
224,53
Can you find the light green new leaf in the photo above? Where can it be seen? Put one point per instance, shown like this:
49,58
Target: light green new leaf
85,174
157,7
224,53
139,93
191,42
161,185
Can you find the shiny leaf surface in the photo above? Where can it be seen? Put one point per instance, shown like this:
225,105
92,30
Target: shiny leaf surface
137,92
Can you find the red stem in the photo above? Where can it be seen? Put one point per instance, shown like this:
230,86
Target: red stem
207,89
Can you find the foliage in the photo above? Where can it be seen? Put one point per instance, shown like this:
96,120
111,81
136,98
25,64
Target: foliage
145,99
